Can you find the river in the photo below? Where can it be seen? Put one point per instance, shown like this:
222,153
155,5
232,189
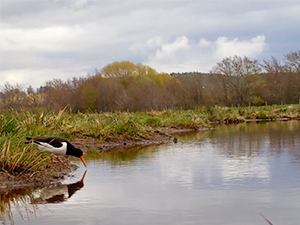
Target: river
235,174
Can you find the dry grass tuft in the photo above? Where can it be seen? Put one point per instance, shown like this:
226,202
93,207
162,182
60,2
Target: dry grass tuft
16,161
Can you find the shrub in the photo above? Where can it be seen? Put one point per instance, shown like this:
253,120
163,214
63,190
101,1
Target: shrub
258,101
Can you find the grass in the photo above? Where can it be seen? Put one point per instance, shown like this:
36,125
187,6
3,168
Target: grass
16,158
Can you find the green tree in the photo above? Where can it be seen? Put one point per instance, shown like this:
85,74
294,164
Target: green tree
126,69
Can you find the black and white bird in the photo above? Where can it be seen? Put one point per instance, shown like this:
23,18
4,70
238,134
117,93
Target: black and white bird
56,193
57,146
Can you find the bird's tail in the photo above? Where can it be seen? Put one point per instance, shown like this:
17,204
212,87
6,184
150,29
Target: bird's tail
29,140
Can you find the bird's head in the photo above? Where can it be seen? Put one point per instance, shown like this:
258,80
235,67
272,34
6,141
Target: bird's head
77,152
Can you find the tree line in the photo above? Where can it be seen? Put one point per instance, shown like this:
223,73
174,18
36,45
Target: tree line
125,86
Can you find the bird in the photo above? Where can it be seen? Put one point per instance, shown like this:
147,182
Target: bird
56,146
57,193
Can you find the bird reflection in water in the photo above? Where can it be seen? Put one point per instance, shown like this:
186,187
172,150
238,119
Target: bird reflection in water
27,200
57,194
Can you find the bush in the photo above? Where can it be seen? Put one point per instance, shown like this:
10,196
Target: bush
258,101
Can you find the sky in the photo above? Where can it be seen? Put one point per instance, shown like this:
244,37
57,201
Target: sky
42,40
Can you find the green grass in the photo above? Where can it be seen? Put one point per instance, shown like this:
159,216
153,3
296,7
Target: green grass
16,158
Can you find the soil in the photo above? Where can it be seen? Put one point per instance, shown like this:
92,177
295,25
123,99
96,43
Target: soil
165,135
53,174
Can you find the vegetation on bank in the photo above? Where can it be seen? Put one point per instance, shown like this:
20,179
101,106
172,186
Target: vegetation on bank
17,158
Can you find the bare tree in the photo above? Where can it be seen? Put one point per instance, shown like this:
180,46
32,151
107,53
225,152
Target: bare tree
235,85
273,66
13,96
292,61
236,66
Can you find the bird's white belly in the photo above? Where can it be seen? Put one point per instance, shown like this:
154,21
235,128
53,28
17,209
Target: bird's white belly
45,147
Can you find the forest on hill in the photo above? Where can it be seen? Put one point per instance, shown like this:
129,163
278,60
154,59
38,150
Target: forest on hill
125,86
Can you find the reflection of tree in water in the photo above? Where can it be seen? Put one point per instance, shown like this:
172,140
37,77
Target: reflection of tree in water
250,139
128,156
240,151
27,199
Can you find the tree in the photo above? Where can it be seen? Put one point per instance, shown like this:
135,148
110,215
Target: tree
273,66
13,95
235,84
237,66
126,69
282,78
30,90
292,61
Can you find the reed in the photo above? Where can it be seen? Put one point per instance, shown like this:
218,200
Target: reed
16,160
19,199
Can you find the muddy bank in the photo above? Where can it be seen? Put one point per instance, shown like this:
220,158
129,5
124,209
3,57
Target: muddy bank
162,136
51,175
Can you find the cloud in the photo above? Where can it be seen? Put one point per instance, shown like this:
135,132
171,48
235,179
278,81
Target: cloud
252,48
169,50
39,40
182,55
37,77
80,3
150,45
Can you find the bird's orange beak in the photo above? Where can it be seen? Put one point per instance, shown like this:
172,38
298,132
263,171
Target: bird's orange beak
82,160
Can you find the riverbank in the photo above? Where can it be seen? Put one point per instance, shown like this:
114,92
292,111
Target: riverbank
46,177
104,132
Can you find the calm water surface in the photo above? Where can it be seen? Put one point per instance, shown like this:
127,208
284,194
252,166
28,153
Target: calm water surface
226,176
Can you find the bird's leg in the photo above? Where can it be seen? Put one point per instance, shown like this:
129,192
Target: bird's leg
61,162
58,160
67,157
52,161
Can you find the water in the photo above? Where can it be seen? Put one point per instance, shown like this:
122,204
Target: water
227,176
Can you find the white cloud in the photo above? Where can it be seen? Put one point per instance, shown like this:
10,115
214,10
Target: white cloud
170,49
49,39
37,77
204,43
182,55
252,48
150,44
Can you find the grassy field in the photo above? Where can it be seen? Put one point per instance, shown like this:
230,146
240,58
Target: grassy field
17,158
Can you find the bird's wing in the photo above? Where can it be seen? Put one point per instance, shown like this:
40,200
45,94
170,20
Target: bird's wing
55,142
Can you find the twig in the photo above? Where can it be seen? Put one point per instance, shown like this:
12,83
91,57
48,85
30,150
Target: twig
268,221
